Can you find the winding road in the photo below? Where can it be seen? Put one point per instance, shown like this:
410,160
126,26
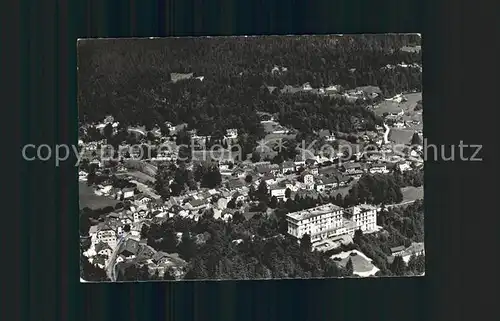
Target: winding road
386,134
110,269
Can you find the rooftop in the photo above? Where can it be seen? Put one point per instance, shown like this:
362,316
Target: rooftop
312,212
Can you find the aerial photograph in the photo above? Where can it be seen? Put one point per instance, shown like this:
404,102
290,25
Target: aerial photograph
250,157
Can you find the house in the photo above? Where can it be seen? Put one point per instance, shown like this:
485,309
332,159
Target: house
175,77
300,160
232,133
120,258
343,180
398,250
326,183
145,252
403,166
414,249
99,260
238,197
287,89
278,191
378,168
270,179
235,184
310,162
142,199
319,222
332,89
102,248
128,192
306,86
350,168
287,167
130,248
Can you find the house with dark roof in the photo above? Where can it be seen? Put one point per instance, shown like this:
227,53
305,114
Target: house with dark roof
371,92
197,204
145,252
270,179
398,250
175,76
102,248
287,166
351,167
129,248
158,256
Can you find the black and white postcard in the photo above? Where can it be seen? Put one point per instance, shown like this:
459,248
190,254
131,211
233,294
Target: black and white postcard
251,157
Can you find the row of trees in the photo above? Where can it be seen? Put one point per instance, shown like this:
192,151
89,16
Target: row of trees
374,189
173,180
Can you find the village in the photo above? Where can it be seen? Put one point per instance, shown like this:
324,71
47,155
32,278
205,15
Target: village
121,184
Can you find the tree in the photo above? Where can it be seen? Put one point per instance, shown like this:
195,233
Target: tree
262,191
143,273
358,236
198,270
288,193
332,270
169,275
238,218
305,243
212,178
415,140
274,202
416,264
349,268
255,157
144,231
248,178
108,131
187,247
398,266
169,241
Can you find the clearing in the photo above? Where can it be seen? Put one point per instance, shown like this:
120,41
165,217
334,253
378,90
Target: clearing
91,200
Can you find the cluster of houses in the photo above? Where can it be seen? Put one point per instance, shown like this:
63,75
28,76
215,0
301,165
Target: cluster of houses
415,249
117,241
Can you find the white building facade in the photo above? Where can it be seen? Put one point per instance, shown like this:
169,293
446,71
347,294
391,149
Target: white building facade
319,222
365,217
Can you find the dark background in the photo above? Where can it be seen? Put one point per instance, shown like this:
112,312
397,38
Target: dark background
41,246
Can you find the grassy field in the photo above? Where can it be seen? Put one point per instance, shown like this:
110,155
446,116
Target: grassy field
141,177
359,263
92,201
407,106
411,193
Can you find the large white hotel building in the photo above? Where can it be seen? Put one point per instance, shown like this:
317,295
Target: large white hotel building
331,220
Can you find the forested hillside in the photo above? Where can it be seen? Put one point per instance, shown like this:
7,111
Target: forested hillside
130,79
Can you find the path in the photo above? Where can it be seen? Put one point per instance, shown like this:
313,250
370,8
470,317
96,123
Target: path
386,134
110,269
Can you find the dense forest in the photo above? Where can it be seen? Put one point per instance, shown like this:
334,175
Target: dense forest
130,79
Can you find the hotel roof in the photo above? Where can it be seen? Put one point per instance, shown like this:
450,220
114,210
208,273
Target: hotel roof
312,212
